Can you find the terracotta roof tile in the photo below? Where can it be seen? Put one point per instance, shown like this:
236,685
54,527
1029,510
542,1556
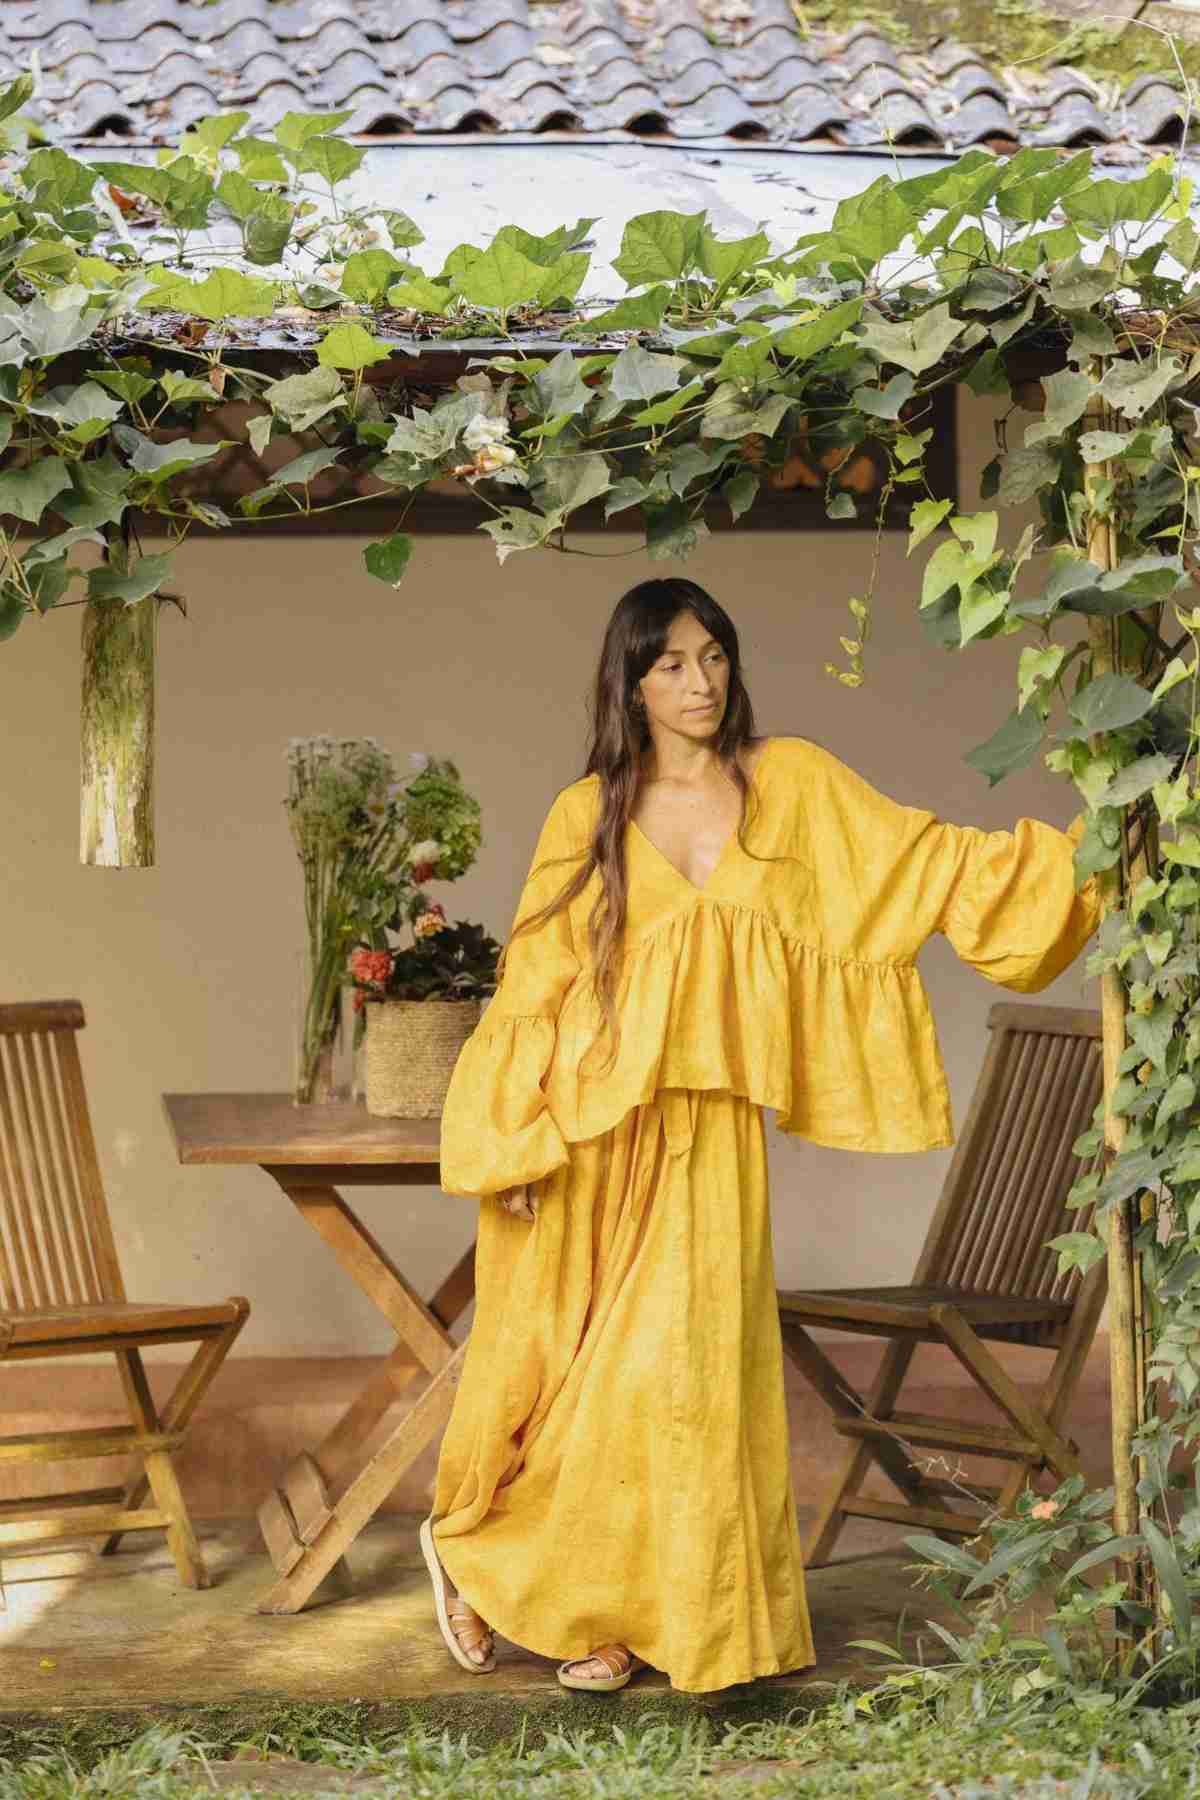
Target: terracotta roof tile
678,68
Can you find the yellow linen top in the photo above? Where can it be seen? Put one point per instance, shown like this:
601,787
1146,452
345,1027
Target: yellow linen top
791,981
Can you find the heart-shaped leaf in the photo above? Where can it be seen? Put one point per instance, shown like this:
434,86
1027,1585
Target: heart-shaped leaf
388,560
146,577
26,493
349,345
1012,747
1109,702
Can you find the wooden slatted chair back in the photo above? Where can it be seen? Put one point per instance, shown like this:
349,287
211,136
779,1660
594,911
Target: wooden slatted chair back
1006,1191
56,1241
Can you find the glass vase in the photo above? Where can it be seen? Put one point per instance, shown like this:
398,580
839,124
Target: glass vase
320,1065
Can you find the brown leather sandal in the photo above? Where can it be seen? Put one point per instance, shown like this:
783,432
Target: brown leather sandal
617,1658
461,1627
470,1631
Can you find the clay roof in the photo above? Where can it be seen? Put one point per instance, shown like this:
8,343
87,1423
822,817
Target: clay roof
737,71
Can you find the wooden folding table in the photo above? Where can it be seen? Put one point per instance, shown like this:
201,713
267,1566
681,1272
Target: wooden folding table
328,1494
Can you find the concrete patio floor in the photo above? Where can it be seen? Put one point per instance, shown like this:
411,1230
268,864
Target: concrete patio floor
120,1635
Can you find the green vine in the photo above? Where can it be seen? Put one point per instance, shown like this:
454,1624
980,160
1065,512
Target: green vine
119,315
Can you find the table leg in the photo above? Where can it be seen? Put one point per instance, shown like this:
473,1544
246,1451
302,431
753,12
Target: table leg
368,1490
307,1531
393,1375
369,1265
340,1451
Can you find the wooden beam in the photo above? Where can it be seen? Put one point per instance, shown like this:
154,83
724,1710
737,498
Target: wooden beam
929,1518
116,820
946,1434
82,1523
100,1440
36,1506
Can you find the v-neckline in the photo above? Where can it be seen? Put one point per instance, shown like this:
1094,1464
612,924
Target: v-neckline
725,847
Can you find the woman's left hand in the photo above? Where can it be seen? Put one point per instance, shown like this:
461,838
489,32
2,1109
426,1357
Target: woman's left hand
519,1201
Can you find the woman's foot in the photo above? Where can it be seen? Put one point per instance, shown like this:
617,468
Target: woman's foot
467,1636
473,1633
610,1667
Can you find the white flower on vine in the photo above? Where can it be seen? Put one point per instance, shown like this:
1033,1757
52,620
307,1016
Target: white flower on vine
483,430
419,759
427,851
494,456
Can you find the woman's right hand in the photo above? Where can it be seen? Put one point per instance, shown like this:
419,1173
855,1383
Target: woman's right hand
519,1201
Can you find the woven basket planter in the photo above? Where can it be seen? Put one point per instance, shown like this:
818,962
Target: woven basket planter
411,1047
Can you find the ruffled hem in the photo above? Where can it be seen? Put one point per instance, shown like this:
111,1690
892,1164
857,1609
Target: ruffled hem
717,998
717,994
720,998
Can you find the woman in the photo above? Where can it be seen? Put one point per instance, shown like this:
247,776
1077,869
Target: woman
613,1485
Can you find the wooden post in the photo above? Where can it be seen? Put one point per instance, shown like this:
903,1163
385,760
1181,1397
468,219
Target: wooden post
116,824
1125,1298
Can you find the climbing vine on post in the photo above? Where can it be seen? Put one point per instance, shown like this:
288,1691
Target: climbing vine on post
124,325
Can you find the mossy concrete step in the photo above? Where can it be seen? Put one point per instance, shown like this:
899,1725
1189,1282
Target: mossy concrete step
120,1639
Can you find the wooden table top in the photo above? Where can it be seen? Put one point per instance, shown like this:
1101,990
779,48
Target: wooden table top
270,1128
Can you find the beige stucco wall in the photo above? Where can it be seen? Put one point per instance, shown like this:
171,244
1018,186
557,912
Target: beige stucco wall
186,970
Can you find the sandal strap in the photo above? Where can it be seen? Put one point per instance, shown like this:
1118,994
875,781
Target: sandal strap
615,1657
465,1622
457,1607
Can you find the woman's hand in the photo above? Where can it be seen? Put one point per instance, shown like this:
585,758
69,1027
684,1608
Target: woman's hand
519,1201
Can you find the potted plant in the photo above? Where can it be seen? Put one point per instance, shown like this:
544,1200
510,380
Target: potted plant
365,840
418,1005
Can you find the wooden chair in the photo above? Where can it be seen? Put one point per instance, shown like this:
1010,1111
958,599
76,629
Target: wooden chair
61,1294
984,1274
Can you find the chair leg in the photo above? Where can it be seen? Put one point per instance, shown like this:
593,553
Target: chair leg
999,1386
186,1396
160,1474
842,1399
1054,1400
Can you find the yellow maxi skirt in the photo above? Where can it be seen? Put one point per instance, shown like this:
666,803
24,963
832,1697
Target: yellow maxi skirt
615,1468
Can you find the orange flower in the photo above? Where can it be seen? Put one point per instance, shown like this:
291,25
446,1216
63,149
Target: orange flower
371,965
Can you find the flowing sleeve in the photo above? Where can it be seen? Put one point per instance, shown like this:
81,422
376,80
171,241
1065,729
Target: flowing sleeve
1008,901
895,874
497,1131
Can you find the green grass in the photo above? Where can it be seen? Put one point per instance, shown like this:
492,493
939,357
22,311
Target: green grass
876,1745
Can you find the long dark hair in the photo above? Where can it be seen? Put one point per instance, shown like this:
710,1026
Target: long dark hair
634,640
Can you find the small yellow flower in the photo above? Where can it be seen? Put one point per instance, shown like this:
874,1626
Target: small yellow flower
426,923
